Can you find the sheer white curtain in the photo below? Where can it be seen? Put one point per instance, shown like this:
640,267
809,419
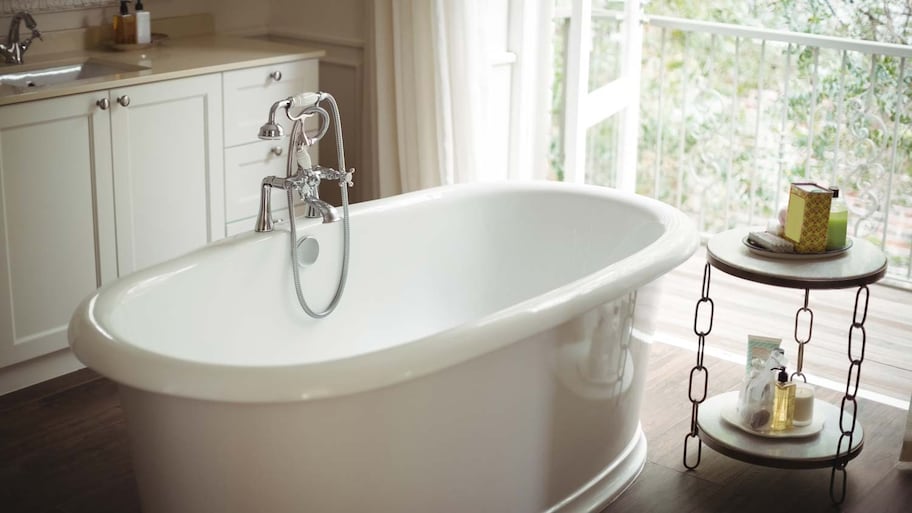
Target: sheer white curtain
440,84
438,59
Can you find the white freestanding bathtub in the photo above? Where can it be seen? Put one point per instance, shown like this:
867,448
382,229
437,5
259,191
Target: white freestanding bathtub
488,355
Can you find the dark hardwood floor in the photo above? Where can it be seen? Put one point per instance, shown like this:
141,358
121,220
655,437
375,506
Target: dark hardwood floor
64,449
876,481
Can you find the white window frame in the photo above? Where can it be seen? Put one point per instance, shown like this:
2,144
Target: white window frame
620,97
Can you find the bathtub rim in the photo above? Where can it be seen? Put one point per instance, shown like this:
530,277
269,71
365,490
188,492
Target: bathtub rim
154,372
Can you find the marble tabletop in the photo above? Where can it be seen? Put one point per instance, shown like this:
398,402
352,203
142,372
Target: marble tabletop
862,264
815,451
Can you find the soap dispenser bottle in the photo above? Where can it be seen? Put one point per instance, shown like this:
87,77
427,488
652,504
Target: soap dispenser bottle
783,402
143,24
124,25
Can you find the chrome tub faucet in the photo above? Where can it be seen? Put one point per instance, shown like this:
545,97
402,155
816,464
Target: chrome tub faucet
14,49
301,175
306,182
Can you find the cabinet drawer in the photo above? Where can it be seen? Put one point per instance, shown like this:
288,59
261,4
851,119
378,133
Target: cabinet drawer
249,93
245,167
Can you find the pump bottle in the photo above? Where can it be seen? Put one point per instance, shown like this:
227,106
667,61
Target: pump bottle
124,25
783,402
143,24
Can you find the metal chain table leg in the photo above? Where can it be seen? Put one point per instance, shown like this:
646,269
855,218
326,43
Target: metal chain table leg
699,371
846,425
804,338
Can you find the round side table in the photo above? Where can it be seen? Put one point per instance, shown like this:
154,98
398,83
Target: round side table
842,437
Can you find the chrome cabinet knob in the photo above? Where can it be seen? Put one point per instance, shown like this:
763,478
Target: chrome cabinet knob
276,150
124,100
276,75
103,104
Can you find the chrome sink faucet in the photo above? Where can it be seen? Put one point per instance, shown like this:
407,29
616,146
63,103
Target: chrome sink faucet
14,49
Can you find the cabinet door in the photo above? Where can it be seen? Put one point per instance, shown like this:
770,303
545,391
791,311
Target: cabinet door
168,172
56,219
249,93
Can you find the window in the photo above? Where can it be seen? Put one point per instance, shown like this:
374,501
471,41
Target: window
596,91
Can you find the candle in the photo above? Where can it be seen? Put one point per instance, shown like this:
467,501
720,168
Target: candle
836,230
804,405
838,222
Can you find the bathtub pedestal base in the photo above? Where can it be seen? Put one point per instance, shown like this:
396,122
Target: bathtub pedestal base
494,434
611,483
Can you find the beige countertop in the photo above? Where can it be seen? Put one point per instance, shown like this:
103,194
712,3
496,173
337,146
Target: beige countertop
171,59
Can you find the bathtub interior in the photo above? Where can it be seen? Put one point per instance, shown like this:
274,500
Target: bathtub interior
419,266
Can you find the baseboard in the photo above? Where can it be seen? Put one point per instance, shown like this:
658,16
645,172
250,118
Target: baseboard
25,374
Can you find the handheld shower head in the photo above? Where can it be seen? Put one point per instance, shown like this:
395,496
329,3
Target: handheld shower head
271,130
304,104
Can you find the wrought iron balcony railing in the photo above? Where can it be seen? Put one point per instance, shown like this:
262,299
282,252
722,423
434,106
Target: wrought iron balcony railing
730,115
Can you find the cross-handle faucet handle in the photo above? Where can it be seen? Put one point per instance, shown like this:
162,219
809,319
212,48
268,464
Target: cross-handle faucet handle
328,173
346,178
35,33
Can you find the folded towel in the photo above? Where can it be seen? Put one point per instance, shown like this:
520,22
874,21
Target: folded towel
771,242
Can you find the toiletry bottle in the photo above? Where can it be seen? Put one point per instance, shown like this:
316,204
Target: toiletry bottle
838,224
143,25
783,402
124,25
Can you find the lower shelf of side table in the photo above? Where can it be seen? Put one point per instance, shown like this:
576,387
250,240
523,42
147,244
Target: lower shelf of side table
815,451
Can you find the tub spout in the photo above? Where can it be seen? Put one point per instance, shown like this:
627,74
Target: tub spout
319,208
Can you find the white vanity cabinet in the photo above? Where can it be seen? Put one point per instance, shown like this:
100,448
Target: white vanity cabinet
56,219
101,184
98,185
168,171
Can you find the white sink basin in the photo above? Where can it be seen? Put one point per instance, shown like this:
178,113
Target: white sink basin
25,77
